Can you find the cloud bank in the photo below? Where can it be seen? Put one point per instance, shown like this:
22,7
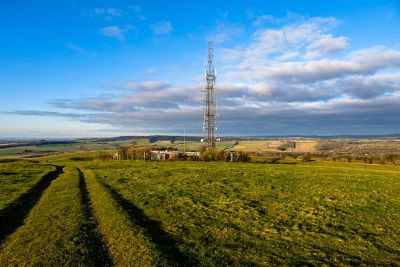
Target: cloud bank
294,77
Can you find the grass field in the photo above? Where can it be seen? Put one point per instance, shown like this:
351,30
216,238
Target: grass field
110,146
248,146
17,177
62,148
267,146
58,230
301,146
235,214
211,214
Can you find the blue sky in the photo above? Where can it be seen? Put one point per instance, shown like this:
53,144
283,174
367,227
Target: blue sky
103,68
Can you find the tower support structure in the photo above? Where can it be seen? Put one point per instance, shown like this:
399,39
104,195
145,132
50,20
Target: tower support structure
209,101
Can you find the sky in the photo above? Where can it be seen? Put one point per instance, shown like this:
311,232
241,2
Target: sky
85,68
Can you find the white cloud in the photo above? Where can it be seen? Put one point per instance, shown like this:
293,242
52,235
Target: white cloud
259,20
287,56
325,45
162,28
108,12
151,70
148,85
230,54
113,31
138,12
225,32
117,31
289,39
75,47
263,89
319,70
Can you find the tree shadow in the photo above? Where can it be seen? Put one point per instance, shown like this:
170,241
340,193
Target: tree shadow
164,242
12,216
91,237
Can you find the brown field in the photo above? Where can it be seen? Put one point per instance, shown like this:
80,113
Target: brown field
363,147
305,146
251,146
301,146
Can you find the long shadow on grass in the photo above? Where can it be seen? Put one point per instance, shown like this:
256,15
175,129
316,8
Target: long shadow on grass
92,238
12,216
163,241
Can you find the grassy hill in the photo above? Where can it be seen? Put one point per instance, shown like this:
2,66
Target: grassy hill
206,213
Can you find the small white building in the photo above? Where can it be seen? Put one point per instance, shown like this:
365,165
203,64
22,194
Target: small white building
170,155
162,155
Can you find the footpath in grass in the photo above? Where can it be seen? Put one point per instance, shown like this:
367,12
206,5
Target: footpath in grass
59,230
262,214
129,242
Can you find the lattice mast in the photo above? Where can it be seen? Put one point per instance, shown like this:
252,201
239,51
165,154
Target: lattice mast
210,114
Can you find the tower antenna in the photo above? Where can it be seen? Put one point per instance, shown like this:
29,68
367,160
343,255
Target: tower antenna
210,101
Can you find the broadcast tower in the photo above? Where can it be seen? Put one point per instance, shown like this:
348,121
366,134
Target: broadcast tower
210,114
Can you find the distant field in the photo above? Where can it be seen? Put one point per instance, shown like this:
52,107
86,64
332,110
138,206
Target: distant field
190,145
305,146
301,146
253,146
61,148
201,213
360,147
328,148
43,150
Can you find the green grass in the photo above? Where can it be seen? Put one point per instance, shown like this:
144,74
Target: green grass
126,242
71,158
58,230
257,214
17,177
251,146
205,214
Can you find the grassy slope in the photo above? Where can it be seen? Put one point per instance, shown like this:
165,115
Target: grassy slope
127,244
96,146
216,214
18,177
73,147
252,146
267,214
58,230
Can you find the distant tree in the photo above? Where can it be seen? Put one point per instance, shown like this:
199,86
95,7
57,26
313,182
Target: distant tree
307,157
123,152
153,139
